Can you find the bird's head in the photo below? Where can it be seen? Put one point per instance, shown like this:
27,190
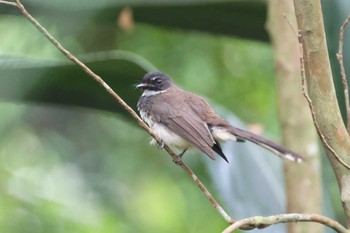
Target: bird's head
155,81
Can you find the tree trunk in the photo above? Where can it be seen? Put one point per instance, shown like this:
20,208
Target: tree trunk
332,130
303,181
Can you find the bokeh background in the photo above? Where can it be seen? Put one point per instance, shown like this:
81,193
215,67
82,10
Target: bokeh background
72,160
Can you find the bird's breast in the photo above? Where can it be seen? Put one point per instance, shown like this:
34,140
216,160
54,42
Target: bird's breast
169,137
161,130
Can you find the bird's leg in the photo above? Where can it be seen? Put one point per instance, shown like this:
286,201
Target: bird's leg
182,153
179,161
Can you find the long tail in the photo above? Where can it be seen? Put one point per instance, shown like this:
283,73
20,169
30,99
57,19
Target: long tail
267,144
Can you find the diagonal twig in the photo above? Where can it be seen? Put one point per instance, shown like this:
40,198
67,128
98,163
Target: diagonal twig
342,71
124,104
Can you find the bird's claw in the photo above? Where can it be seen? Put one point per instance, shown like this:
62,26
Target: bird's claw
177,161
160,145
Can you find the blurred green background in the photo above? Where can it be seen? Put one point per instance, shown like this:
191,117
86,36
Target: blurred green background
72,160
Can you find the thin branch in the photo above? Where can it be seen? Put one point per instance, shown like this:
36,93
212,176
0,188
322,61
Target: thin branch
221,211
8,3
262,222
127,108
342,71
289,24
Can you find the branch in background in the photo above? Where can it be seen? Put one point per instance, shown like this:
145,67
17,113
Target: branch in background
8,3
321,90
122,102
307,97
342,71
309,101
262,222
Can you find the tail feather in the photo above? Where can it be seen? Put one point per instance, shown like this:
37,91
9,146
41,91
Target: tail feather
267,144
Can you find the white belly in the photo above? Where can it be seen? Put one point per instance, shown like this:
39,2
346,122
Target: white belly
168,137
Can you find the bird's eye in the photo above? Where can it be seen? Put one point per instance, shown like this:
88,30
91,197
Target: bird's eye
159,81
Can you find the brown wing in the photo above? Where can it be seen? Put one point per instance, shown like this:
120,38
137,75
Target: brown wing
193,131
200,106
184,122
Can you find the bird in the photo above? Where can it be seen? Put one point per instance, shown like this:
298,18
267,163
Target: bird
185,120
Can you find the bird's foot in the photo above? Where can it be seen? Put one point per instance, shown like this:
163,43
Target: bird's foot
178,161
160,144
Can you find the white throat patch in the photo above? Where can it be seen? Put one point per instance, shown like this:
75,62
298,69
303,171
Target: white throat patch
147,93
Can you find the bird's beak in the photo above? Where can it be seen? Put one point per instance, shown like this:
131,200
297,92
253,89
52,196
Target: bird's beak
142,85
